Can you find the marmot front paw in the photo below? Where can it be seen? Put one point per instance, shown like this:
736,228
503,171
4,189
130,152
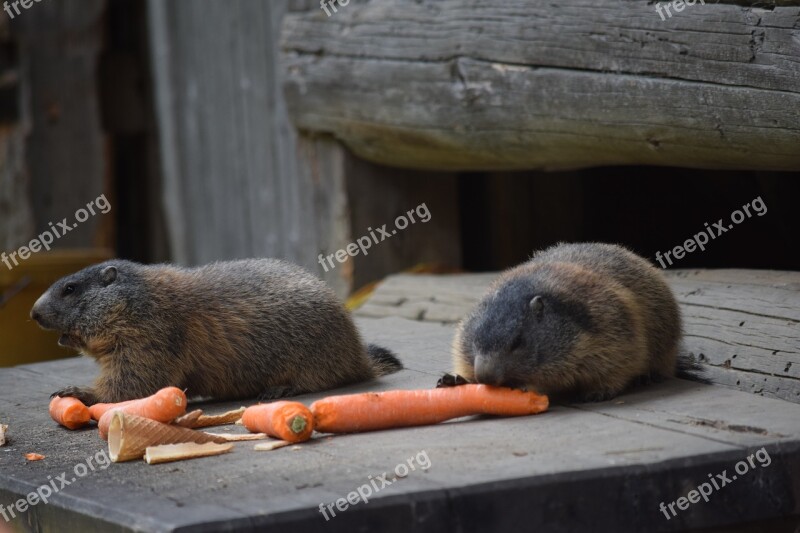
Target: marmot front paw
86,395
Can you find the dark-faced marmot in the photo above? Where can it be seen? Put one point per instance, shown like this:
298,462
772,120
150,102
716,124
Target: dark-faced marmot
584,319
237,329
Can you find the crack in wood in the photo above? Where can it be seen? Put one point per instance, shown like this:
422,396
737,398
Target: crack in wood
734,310
724,426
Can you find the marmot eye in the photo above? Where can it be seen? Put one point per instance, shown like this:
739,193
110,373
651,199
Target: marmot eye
69,289
516,344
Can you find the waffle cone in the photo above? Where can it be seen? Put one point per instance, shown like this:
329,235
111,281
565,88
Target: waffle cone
130,435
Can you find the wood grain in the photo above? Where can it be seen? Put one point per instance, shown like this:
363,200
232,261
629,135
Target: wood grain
464,84
66,153
238,182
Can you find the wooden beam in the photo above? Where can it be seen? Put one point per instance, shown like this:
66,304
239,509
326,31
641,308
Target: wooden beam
16,210
470,85
237,179
67,152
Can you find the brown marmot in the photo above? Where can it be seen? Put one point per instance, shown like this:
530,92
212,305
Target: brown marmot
586,320
238,329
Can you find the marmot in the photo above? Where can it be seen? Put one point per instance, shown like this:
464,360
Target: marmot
228,330
586,320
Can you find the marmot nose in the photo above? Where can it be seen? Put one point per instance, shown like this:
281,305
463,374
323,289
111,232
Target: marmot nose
487,373
36,314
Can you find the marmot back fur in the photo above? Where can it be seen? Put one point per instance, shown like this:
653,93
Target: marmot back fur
227,330
588,319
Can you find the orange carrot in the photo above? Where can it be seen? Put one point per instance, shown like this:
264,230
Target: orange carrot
69,412
99,409
289,421
401,408
164,406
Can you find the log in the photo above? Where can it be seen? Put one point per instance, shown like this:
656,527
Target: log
470,85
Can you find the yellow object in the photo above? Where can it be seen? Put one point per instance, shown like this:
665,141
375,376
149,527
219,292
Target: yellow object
21,339
359,297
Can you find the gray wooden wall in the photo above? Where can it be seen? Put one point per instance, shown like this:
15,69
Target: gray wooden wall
16,212
232,184
230,175
239,180
53,154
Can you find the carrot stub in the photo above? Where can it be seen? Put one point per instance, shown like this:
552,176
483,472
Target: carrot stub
289,421
164,406
69,412
402,408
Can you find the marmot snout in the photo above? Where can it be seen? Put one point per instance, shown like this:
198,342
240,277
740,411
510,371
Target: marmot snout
586,319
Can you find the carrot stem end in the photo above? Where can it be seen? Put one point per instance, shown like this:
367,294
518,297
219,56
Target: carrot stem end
298,424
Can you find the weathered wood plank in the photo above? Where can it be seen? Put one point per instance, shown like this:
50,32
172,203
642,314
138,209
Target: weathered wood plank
741,325
16,212
321,163
304,195
66,152
430,298
378,195
543,469
462,84
237,180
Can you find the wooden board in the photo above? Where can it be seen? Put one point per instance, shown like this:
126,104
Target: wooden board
16,211
66,152
378,196
603,466
464,84
238,182
741,325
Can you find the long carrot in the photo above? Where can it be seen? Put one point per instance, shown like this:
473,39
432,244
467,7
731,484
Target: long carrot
69,412
99,409
402,408
289,421
164,406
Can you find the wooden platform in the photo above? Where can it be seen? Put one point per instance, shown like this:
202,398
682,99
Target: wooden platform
598,467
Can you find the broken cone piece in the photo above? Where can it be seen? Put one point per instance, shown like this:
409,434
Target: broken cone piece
130,435
236,437
198,419
272,445
186,450
189,419
228,417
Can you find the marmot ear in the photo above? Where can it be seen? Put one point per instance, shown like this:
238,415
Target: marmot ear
109,275
537,306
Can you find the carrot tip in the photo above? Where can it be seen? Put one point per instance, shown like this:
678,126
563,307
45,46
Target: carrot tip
298,424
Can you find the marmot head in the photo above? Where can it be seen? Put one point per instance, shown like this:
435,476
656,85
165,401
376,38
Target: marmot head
84,306
521,331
